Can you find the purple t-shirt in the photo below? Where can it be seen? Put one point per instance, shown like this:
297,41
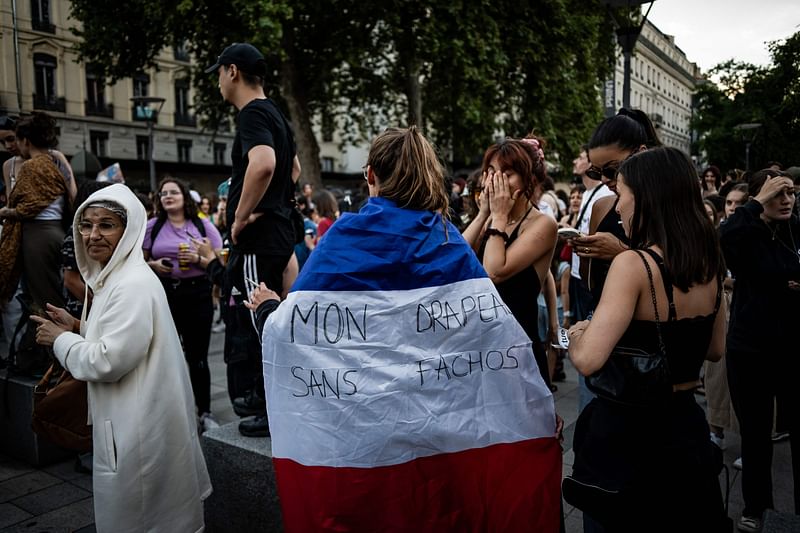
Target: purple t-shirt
168,239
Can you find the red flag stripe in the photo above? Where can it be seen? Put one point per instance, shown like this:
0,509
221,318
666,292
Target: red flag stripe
503,487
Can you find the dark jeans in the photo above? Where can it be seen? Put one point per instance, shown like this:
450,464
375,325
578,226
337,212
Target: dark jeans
242,344
192,311
756,380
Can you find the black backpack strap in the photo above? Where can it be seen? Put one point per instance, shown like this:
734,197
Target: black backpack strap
199,225
154,232
667,279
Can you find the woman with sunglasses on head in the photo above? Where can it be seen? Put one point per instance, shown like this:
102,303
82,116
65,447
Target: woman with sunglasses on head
170,251
513,240
648,464
761,241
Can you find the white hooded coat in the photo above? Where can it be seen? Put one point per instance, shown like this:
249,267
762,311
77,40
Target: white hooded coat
149,473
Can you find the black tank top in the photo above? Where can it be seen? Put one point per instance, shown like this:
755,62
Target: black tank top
611,223
519,292
686,340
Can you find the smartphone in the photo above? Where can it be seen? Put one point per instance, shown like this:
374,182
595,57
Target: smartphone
167,263
569,233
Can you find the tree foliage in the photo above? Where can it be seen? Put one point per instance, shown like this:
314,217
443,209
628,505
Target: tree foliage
747,94
465,71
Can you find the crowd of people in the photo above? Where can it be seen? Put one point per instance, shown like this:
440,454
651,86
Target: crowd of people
698,274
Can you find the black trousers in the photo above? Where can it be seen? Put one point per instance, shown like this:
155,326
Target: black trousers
755,381
242,343
192,311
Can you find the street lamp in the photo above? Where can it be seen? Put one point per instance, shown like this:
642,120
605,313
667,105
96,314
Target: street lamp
626,37
147,108
749,132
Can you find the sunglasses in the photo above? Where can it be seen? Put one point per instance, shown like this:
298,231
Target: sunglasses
609,170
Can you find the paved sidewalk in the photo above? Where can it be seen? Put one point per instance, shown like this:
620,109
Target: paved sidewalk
57,499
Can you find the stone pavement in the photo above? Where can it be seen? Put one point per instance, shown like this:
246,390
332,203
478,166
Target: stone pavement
56,498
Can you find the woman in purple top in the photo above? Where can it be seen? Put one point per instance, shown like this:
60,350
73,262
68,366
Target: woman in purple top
169,251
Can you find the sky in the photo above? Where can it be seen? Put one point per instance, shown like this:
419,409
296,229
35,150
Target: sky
712,31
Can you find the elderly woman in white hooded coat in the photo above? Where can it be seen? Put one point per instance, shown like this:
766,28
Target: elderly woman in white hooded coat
149,473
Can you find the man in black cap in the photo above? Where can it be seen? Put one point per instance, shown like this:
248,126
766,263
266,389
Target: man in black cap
260,200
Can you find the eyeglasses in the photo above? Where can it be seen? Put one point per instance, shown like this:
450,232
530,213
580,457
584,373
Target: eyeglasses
105,229
162,194
609,170
9,139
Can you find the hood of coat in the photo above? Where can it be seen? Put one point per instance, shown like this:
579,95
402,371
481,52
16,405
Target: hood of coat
129,248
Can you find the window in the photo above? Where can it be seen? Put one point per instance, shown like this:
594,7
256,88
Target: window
327,164
184,151
219,153
44,67
182,115
99,142
327,128
180,51
95,93
142,147
40,16
141,85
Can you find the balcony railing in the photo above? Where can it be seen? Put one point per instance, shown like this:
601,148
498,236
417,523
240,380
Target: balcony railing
50,103
185,119
96,109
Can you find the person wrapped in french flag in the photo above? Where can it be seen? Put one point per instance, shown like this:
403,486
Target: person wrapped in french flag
402,395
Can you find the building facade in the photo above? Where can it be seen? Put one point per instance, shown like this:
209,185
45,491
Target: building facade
663,81
41,72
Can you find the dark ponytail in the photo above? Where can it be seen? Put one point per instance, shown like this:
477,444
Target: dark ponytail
629,129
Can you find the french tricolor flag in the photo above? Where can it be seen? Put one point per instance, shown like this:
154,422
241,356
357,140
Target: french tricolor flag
402,395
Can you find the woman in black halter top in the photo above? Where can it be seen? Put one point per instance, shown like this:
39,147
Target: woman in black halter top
656,459
515,242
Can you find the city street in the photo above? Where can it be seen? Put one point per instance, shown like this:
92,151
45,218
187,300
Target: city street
57,499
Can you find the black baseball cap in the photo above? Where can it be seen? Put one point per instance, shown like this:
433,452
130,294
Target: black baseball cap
245,56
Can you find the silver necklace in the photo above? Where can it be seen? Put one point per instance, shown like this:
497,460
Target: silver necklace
793,248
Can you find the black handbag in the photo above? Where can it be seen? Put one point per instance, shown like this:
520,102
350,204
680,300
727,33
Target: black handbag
632,375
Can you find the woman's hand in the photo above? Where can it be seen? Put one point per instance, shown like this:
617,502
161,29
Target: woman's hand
188,256
47,332
483,201
559,428
600,245
61,317
578,329
260,295
204,250
773,186
501,199
159,266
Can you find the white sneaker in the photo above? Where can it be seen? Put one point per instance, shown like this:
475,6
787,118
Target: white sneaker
719,441
207,421
218,327
749,524
737,464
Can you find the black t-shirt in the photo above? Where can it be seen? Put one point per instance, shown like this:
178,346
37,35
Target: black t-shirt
261,123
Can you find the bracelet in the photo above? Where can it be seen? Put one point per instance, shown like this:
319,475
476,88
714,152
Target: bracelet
492,231
567,314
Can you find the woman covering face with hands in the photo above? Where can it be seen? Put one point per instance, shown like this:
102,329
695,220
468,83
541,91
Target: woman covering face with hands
513,240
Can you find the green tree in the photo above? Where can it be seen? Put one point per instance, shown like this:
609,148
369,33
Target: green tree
746,94
464,70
